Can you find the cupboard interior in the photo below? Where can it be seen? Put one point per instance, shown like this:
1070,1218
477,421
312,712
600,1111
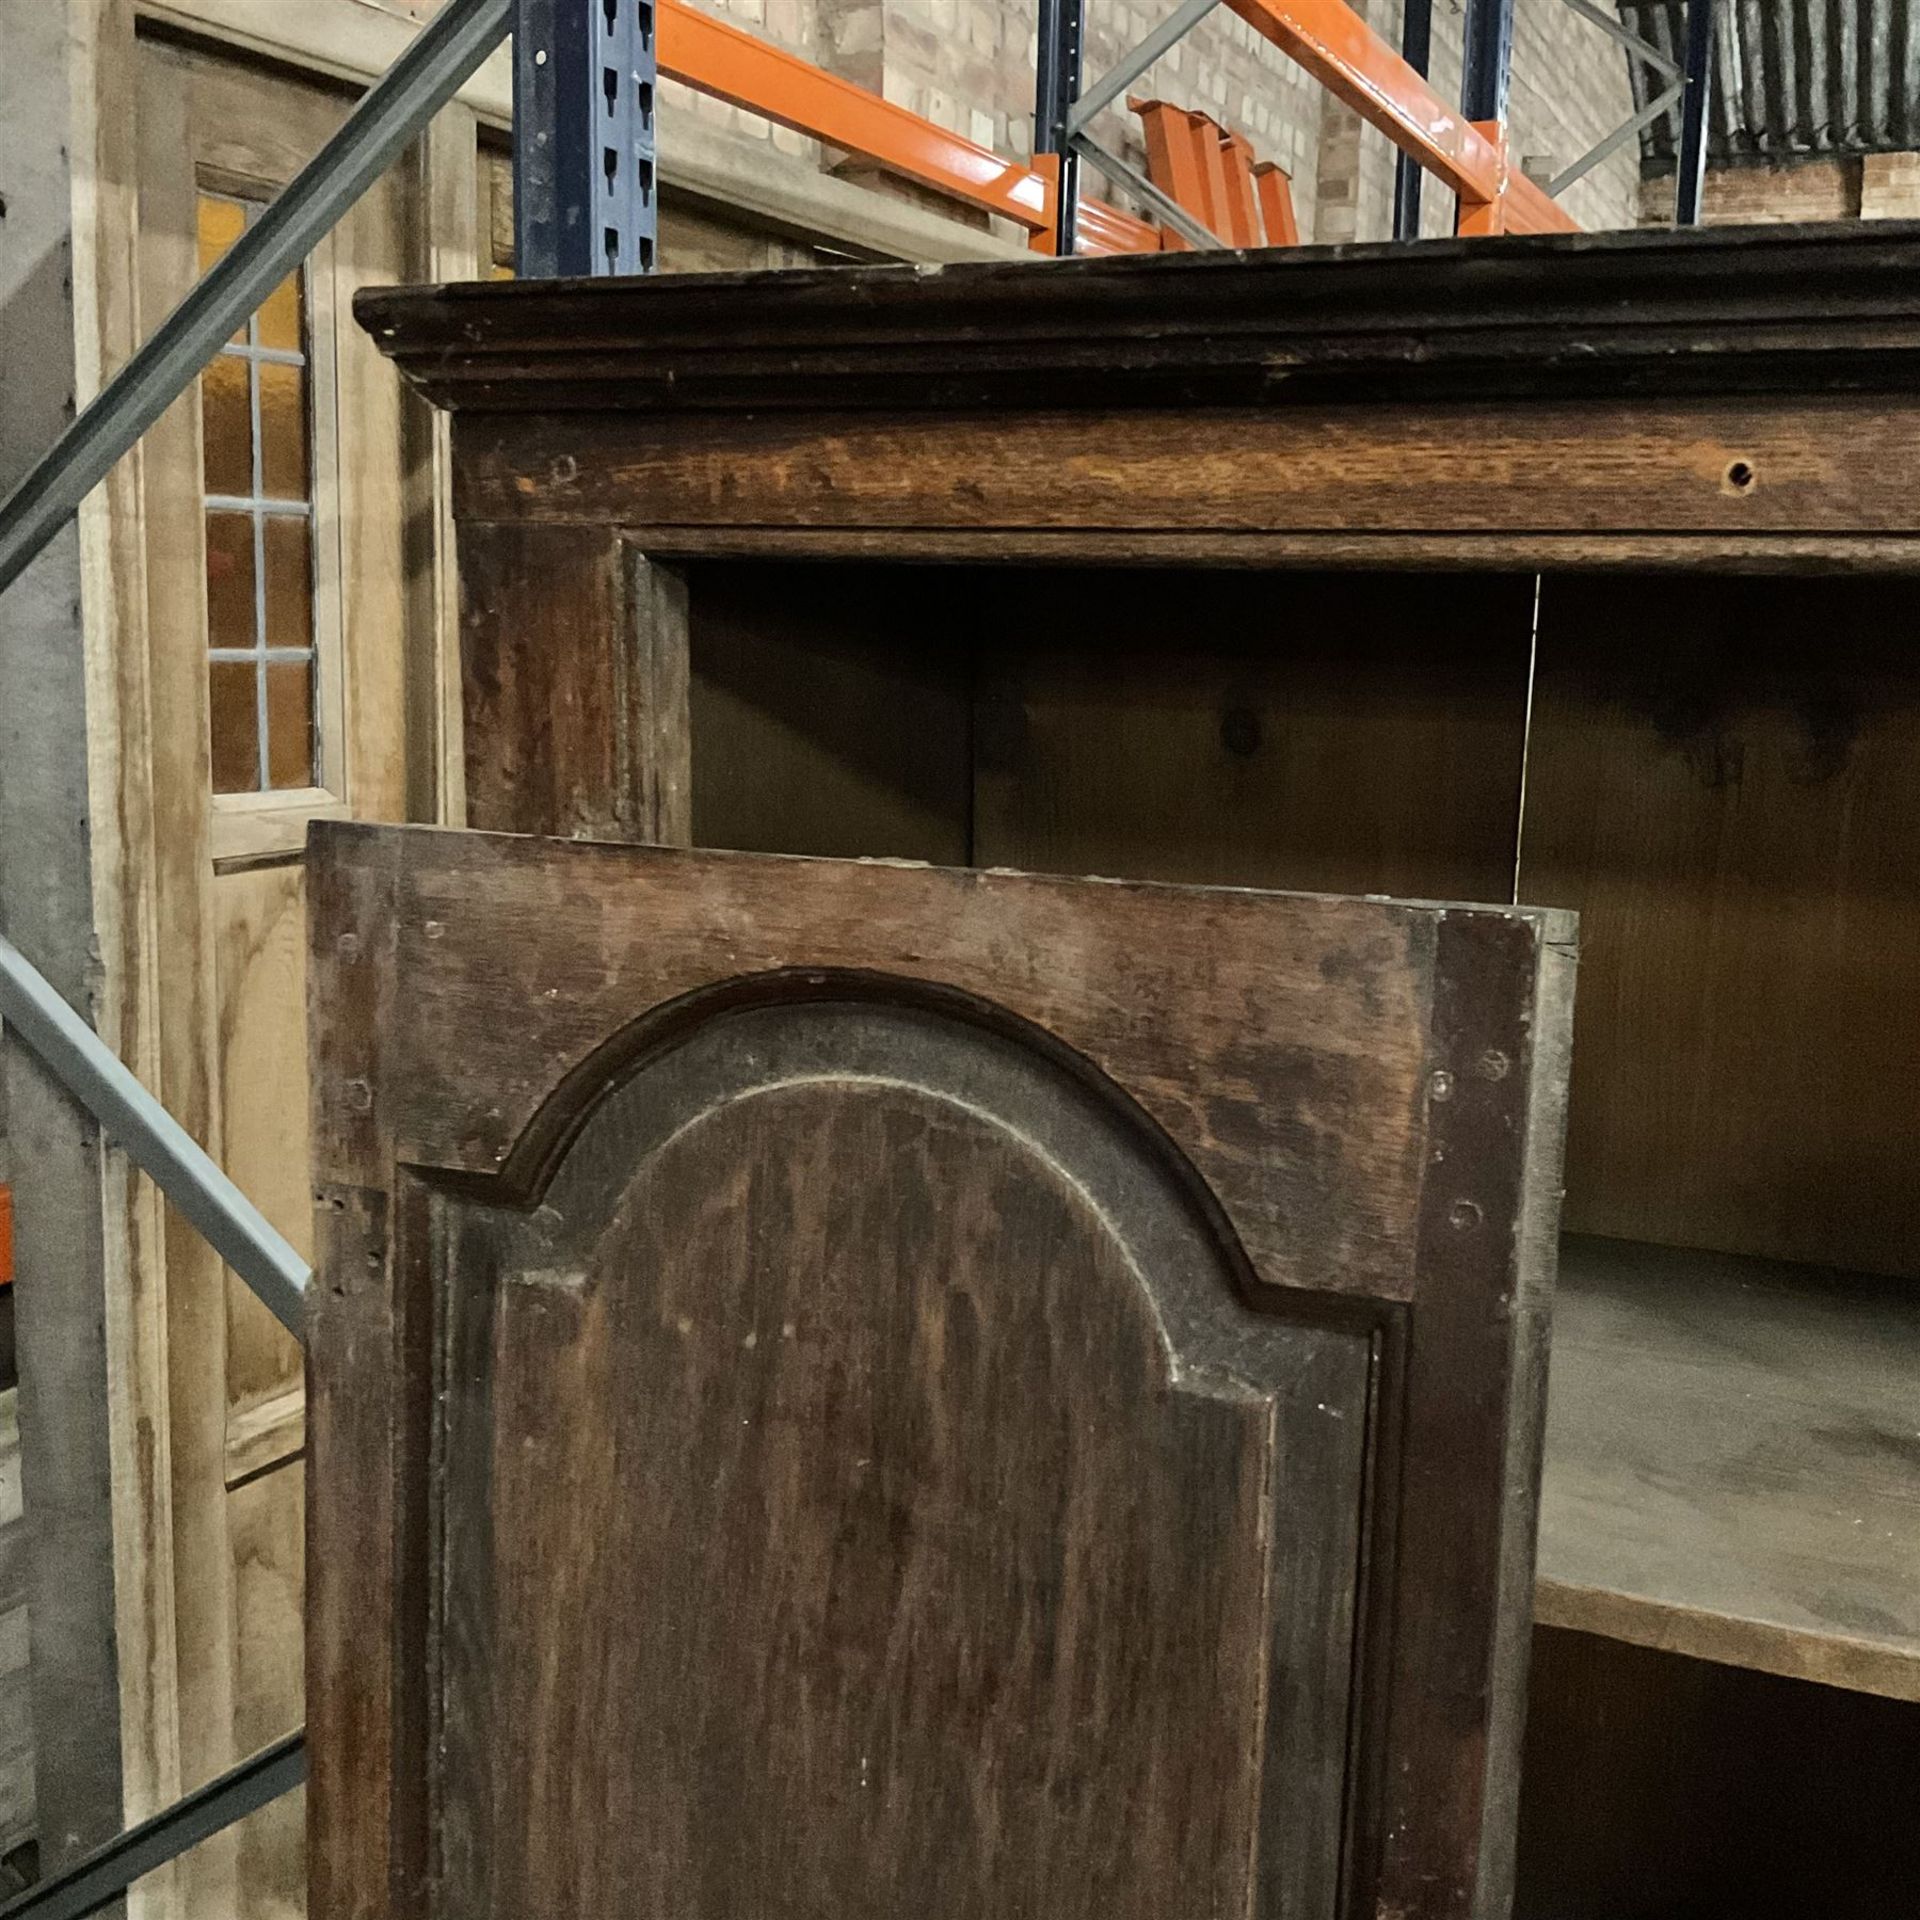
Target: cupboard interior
1722,774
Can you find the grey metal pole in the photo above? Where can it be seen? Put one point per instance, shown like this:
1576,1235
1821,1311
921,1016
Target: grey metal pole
1170,210
109,1870
393,110
1118,78
153,1138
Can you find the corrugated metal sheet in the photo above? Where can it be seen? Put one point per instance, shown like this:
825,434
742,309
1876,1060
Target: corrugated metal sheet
1791,77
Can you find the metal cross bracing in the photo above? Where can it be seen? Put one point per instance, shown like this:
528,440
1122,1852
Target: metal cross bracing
1465,148
1688,87
391,114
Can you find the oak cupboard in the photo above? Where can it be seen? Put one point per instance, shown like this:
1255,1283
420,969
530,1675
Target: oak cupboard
1570,571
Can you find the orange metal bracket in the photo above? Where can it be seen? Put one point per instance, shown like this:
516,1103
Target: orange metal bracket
717,58
1174,163
1274,184
1101,228
1210,171
1238,206
1477,215
746,71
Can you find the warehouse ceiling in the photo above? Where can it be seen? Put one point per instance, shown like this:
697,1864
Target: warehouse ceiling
1791,77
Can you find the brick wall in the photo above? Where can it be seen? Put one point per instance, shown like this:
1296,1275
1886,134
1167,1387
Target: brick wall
1874,186
1890,186
968,65
1814,189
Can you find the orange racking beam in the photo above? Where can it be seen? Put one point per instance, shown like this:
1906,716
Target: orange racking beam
1101,228
1352,62
716,58
1326,37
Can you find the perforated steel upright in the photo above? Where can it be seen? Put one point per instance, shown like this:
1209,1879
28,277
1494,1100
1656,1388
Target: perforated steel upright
1057,52
583,153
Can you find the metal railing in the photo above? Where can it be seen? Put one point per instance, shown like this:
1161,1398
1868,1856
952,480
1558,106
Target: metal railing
392,112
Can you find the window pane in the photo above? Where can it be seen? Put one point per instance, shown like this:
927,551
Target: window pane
278,322
221,223
234,703
230,603
290,724
283,432
226,427
289,543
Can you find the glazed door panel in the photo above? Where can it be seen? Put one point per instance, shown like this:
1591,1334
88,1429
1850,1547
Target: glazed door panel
291,682
844,1388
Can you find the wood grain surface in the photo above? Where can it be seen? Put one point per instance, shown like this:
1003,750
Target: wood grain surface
1706,466
1731,1463
1232,729
1785,310
573,668
964,1473
1089,1453
1720,780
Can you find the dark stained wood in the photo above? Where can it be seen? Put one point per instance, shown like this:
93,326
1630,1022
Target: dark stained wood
831,714
1781,310
1719,775
1711,467
1722,779
574,671
1465,550
368,1379
958,1391
1230,729
1596,400
1662,1788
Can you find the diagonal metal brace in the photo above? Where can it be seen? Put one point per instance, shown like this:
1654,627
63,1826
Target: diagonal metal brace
1164,205
418,84
154,1140
1646,54
1616,139
1104,91
111,1868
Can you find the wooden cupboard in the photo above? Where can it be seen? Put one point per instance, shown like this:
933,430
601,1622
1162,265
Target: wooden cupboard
1569,571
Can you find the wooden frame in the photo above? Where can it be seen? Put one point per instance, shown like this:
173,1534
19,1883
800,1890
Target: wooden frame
1437,1036
1579,438
254,826
1618,427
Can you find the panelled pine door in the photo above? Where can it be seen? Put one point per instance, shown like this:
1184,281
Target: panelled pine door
286,688
846,1388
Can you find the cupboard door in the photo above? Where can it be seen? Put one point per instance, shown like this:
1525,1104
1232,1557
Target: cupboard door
842,1387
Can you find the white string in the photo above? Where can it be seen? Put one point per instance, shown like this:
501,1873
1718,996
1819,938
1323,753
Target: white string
1526,741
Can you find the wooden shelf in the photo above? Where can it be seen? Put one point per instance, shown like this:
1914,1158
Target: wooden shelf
1733,1463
